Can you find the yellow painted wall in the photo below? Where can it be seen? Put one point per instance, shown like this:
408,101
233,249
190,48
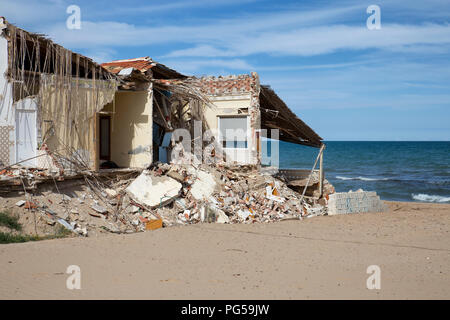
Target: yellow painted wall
131,130
224,108
229,108
67,119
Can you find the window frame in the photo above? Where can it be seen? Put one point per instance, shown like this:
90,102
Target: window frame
235,142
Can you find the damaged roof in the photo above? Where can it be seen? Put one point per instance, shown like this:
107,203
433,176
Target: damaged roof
24,43
275,114
143,64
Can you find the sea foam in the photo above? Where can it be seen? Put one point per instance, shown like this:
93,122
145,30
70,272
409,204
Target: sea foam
361,178
430,198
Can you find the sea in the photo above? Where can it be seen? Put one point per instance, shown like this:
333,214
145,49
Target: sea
399,171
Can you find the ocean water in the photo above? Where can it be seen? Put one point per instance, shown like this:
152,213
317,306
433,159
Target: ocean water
403,171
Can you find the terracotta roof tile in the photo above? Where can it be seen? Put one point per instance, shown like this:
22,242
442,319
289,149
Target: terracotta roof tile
142,64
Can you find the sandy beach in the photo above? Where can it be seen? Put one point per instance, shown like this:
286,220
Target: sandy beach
317,258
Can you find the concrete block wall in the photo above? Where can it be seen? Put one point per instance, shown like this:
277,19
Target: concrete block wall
355,202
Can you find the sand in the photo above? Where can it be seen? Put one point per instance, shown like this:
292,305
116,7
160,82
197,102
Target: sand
317,258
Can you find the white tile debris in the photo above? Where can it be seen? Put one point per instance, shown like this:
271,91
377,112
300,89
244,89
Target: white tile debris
203,186
153,191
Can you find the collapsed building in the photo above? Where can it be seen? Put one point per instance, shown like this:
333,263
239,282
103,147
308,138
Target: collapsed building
49,100
60,109
116,128
145,112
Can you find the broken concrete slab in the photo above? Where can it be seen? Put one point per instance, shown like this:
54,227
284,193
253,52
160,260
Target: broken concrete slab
221,217
65,224
65,198
203,186
99,208
20,203
153,191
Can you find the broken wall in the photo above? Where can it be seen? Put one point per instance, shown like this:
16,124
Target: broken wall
49,101
7,114
229,106
131,130
235,95
67,115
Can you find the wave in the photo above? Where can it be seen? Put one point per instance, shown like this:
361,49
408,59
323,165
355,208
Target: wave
440,183
361,178
429,198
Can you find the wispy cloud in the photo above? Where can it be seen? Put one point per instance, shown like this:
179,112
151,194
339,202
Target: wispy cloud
327,39
370,86
280,34
302,33
164,6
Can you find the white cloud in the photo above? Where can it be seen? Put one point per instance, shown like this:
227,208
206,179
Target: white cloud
22,12
170,6
100,55
327,39
201,51
298,33
375,85
223,31
239,38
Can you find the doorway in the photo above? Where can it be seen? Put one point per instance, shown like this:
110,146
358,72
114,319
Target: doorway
26,132
105,137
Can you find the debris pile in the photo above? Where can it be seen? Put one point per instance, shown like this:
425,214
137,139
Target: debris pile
18,178
165,195
181,194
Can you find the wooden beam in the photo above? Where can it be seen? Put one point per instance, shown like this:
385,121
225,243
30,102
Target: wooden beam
321,174
96,143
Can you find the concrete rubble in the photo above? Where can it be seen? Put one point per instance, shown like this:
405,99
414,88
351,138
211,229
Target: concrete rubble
162,195
165,195
153,191
227,194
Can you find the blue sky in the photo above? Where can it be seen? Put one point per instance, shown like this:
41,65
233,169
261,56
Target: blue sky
345,81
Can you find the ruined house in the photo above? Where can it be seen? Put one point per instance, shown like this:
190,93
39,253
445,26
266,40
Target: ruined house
133,125
49,100
75,119
243,104
61,110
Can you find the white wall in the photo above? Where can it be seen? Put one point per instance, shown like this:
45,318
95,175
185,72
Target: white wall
229,106
131,131
26,131
7,114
